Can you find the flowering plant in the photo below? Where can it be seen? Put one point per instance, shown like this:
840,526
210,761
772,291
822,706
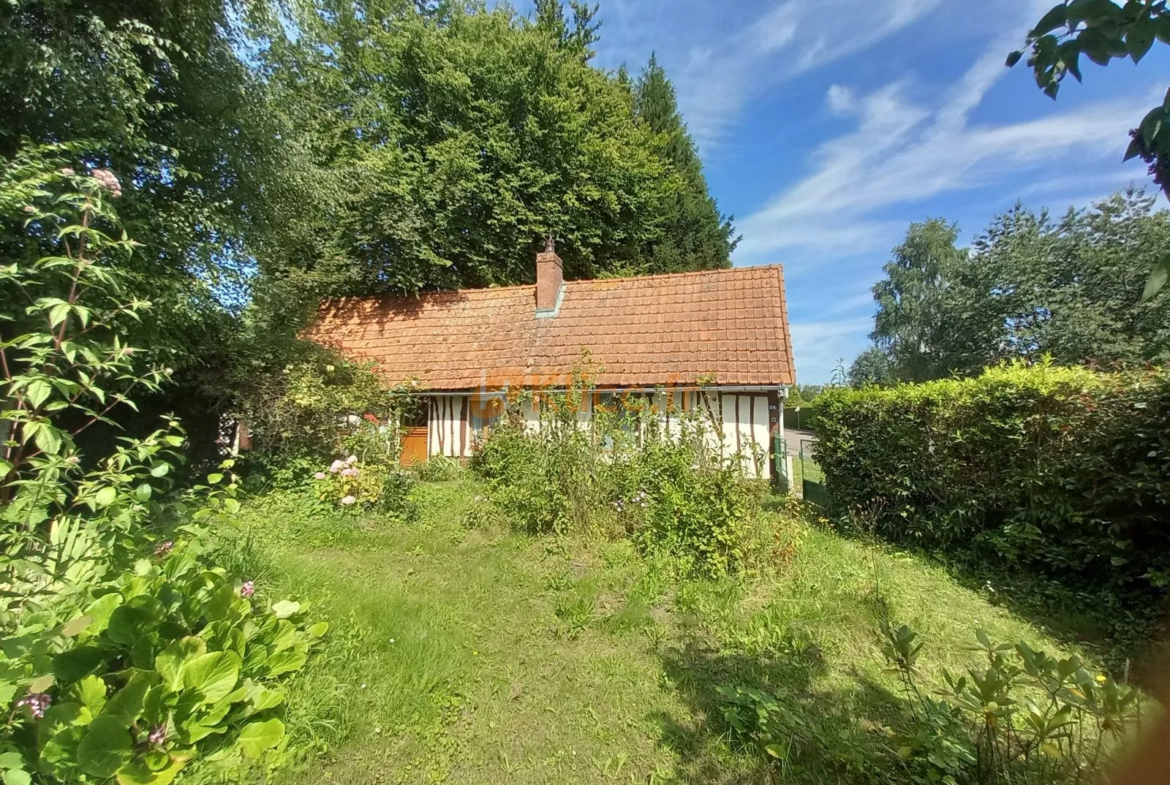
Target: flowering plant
350,484
143,673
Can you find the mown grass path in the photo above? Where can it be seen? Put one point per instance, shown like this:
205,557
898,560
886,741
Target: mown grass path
478,655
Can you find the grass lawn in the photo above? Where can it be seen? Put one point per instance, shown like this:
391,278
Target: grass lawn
475,654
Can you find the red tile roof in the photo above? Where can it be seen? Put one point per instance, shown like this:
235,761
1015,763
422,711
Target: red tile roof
657,330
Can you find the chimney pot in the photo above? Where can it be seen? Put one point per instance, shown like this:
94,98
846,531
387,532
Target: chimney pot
550,277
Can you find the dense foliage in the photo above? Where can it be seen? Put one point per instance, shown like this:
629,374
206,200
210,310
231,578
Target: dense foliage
448,142
1103,31
1057,472
625,474
1029,286
128,652
1020,716
322,406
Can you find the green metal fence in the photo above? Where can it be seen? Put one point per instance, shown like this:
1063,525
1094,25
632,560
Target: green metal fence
812,482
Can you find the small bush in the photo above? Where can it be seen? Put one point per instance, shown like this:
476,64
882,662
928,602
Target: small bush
437,468
1023,716
348,484
170,662
622,475
1062,473
321,406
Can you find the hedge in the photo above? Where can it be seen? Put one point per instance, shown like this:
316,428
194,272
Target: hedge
1062,472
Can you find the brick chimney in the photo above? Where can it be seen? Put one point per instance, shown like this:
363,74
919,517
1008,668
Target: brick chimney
550,280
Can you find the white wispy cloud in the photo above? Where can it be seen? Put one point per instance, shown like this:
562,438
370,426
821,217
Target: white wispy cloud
904,152
717,72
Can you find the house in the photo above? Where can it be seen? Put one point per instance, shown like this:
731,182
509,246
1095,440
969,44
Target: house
716,339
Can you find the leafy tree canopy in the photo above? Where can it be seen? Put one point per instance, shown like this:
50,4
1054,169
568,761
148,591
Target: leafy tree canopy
1029,286
447,142
1103,30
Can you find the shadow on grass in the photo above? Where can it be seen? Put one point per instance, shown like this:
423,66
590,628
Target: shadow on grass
1123,632
833,735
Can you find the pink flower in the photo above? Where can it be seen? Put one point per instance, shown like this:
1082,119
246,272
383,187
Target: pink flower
28,208
348,500
351,460
36,702
319,476
67,172
350,472
247,588
163,548
158,734
336,466
106,179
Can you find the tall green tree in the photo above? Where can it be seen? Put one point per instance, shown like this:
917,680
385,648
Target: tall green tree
1029,286
871,367
908,323
155,91
698,236
447,144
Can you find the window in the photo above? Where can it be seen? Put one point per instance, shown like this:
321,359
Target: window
416,416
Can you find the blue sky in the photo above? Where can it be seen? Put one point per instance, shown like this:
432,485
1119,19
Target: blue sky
827,126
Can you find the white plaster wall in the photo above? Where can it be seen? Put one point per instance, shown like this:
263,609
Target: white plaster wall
449,429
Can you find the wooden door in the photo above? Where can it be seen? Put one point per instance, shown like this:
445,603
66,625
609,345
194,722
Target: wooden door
414,446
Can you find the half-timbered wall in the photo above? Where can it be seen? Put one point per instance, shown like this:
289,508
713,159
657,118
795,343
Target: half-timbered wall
449,426
736,424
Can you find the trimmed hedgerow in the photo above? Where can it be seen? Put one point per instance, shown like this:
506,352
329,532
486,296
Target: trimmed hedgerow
1060,472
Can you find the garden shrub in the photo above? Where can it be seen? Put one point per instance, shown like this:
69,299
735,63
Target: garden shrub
321,406
349,484
127,652
1021,716
623,475
139,675
1062,473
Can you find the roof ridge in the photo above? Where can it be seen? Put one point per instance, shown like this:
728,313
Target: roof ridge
655,277
684,274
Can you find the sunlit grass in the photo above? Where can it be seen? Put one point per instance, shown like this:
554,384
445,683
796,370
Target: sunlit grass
472,654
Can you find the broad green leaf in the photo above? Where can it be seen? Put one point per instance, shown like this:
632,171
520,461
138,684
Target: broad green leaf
11,760
1139,38
105,747
285,608
256,737
286,662
170,661
127,703
91,691
59,753
48,439
261,698
214,478
160,469
319,629
136,773
77,663
37,392
105,497
214,675
99,611
59,717
1158,277
17,777
142,492
1056,17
